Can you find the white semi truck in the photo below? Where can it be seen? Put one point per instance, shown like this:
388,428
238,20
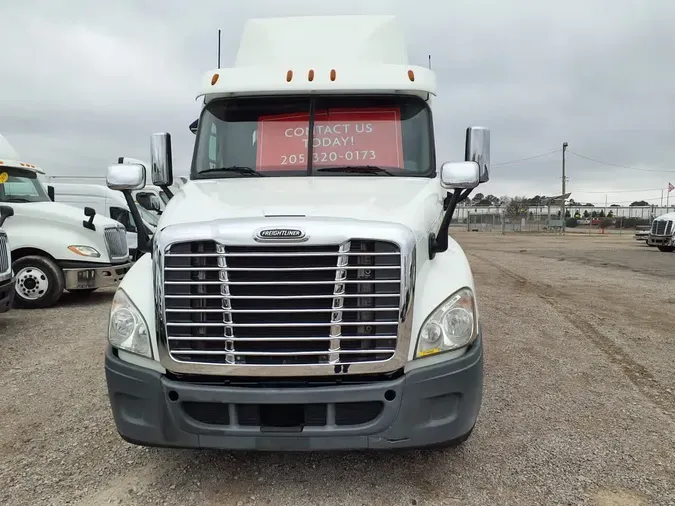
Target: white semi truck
662,233
55,247
301,291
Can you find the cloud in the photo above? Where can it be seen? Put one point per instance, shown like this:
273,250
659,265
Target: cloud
86,82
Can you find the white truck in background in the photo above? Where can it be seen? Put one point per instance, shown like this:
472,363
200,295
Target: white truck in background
55,247
662,233
301,291
6,273
109,203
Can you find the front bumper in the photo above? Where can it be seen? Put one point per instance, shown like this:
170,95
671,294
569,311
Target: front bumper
7,291
94,276
661,240
426,406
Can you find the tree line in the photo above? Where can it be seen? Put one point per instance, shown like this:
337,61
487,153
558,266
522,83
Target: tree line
480,199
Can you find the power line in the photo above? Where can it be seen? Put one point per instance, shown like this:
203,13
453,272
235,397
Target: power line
527,158
614,164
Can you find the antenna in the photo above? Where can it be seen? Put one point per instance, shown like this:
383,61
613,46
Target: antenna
429,62
218,47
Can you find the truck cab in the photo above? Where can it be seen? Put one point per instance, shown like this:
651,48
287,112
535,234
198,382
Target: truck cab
662,233
301,291
55,247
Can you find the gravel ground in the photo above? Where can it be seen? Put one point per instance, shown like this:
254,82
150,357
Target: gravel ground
579,403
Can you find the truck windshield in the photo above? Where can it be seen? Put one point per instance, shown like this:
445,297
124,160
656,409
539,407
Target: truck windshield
270,136
21,185
148,216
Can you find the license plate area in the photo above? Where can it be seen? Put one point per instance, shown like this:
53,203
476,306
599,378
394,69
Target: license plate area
282,417
86,278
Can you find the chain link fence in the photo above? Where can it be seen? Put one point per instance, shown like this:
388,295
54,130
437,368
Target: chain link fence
542,222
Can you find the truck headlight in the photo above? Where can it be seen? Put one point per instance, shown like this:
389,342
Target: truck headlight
450,326
85,251
127,329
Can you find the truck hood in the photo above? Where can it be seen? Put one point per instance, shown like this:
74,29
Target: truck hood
667,216
61,213
414,202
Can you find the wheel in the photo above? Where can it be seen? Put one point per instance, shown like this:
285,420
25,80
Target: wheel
667,249
39,282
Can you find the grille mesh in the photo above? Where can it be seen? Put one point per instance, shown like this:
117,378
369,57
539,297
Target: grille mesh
4,254
116,242
282,305
662,227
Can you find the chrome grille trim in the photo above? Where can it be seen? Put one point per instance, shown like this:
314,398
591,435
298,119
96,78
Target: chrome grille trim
338,303
337,324
116,243
5,264
662,227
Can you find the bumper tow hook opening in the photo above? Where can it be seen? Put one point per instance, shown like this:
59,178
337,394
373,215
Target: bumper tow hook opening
390,395
173,396
282,418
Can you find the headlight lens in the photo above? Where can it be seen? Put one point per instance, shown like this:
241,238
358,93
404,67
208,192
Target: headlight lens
85,251
127,329
451,326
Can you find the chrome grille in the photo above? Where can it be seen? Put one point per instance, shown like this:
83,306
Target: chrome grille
282,305
4,254
662,227
116,242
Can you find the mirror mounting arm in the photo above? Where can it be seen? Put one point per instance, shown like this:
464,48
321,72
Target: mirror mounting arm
167,190
141,232
438,243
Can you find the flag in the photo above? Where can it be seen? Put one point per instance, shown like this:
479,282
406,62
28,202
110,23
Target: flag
670,187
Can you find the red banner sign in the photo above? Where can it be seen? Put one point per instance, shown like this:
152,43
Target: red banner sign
341,137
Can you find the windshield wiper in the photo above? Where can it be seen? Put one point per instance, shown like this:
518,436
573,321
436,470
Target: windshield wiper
233,168
359,169
18,200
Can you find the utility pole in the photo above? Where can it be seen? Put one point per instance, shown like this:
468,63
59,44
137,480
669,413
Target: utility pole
218,48
562,201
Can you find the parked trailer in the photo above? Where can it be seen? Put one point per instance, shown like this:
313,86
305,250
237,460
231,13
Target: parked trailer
302,291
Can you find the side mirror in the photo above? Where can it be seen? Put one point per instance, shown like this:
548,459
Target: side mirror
477,149
465,175
193,126
50,192
89,212
126,176
160,159
5,212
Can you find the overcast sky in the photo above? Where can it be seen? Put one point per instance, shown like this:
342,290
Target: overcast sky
86,82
